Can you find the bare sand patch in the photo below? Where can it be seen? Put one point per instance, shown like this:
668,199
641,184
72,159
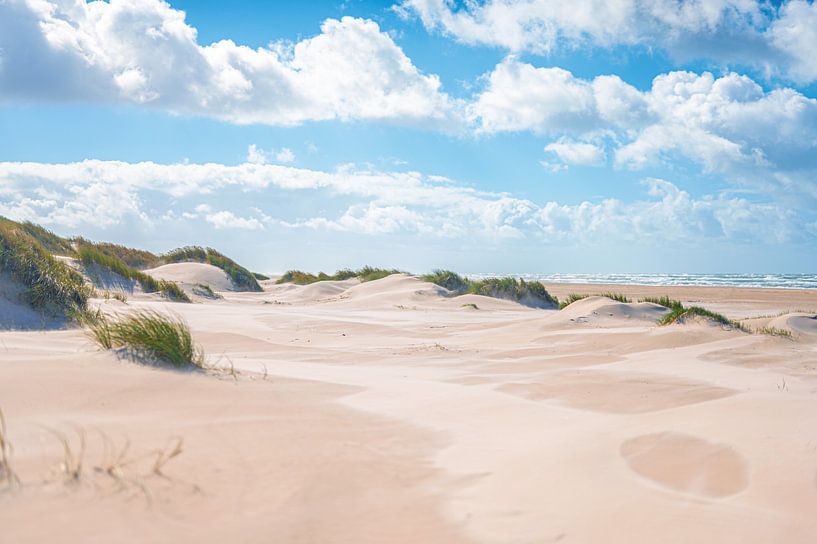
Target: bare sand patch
687,463
618,392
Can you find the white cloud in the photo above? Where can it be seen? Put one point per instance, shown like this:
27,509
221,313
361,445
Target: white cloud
104,194
573,152
144,52
285,155
228,220
744,32
521,97
255,155
728,125
795,33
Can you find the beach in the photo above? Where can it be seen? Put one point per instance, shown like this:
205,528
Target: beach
385,412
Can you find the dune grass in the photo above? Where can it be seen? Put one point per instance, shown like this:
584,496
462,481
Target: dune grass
260,277
242,278
50,285
679,313
447,280
56,245
530,293
89,254
367,273
574,297
7,475
134,258
147,336
571,298
774,331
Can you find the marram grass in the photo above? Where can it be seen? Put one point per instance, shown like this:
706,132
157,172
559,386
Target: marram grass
367,273
147,335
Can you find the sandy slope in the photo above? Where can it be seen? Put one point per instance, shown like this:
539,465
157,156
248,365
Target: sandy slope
194,274
392,414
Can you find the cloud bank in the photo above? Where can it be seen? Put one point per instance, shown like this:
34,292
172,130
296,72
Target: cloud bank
109,193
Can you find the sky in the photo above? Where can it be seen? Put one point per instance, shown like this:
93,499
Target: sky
493,136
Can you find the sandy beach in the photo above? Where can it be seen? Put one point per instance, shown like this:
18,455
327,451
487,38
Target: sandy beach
385,412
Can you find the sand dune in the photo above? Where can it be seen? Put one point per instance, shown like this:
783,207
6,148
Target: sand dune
193,274
387,412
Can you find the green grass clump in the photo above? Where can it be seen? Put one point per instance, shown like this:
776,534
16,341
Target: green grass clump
774,331
571,298
50,285
49,241
242,278
664,301
148,336
448,280
526,292
367,273
530,293
89,254
260,277
134,258
618,297
679,313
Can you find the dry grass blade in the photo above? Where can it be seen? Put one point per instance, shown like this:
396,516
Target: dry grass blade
173,450
7,476
72,462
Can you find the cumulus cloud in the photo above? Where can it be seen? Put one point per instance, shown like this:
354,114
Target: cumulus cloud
228,220
728,125
260,156
580,153
744,32
109,193
144,52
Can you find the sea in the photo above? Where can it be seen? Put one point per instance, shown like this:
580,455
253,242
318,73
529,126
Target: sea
778,281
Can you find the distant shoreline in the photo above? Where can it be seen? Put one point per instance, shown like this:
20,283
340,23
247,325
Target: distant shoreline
755,281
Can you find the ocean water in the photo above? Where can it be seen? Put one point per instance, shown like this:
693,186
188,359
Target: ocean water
780,281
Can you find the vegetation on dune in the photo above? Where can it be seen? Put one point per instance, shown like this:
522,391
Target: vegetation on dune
618,297
134,258
50,285
531,293
367,273
679,312
260,277
526,292
89,255
447,280
574,297
49,241
204,290
242,278
774,331
571,298
664,301
147,336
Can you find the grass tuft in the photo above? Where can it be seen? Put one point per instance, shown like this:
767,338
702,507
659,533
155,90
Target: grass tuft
530,293
618,297
571,298
680,313
367,273
7,475
448,280
148,336
774,331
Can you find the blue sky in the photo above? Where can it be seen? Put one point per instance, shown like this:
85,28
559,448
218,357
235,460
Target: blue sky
498,136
